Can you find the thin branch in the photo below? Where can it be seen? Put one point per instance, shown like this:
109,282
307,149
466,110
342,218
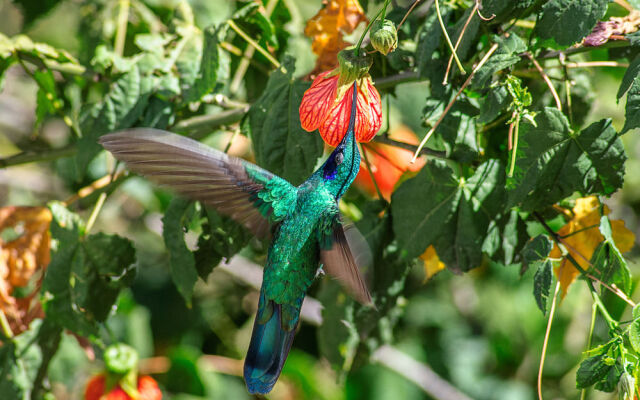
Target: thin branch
373,178
393,80
93,187
199,126
418,373
455,98
253,43
448,39
406,15
248,54
546,339
29,156
121,32
581,49
594,310
383,139
547,80
464,29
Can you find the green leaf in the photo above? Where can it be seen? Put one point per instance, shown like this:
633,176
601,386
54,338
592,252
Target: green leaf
507,54
20,359
47,100
537,249
609,266
181,259
457,129
553,162
542,284
568,21
121,107
632,108
222,237
205,81
436,207
85,274
629,77
504,9
494,104
592,370
634,329
428,41
251,14
279,142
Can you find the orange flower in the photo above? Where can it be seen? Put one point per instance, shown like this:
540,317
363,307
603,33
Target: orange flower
326,106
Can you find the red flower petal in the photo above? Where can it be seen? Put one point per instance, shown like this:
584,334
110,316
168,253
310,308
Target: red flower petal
369,113
317,101
334,127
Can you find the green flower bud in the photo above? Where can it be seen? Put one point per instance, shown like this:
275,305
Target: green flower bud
626,387
120,358
384,36
353,67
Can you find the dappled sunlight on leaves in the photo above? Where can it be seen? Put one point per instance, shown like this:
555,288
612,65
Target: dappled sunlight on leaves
328,26
581,236
22,255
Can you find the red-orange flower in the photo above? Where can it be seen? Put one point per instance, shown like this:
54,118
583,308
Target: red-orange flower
326,106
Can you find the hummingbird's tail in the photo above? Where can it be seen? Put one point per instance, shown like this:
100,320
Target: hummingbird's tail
273,332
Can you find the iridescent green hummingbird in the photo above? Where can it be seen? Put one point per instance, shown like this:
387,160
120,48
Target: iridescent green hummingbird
303,222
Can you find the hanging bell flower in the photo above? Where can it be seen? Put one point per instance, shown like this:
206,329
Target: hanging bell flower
326,105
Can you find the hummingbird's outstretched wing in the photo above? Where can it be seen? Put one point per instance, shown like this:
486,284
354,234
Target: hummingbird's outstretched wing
247,193
339,260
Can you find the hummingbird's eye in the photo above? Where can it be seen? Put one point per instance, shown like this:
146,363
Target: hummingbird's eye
339,158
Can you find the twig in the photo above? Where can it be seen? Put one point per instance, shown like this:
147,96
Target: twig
393,80
446,36
373,178
464,29
253,43
582,49
91,188
546,339
418,373
547,80
248,54
408,146
200,125
95,212
29,157
455,98
406,15
121,32
515,144
594,309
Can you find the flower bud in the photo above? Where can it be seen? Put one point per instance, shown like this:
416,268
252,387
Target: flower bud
384,36
626,387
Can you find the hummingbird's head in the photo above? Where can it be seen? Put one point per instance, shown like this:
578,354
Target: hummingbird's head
343,164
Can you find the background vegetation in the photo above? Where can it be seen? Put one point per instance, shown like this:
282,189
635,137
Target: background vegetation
517,220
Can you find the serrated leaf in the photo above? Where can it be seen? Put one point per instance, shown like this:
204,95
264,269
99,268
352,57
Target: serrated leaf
568,21
453,214
507,54
205,81
552,162
121,107
503,9
632,108
537,249
542,284
85,274
20,359
181,259
494,104
279,142
591,370
46,100
222,237
428,41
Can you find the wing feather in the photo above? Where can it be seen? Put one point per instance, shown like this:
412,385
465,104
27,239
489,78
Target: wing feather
232,186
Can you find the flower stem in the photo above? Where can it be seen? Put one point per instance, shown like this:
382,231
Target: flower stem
515,146
446,35
373,178
121,33
381,12
546,338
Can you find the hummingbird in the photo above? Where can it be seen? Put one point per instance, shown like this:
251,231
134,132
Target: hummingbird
303,223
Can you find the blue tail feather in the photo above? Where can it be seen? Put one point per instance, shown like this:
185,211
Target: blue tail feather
269,346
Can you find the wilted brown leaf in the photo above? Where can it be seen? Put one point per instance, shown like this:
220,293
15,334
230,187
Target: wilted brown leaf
582,235
328,26
432,263
21,258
